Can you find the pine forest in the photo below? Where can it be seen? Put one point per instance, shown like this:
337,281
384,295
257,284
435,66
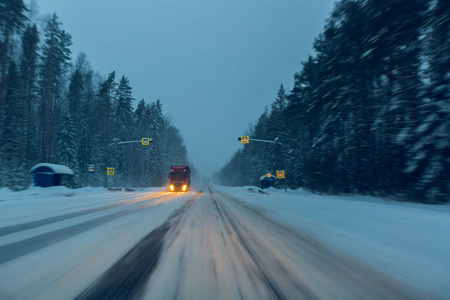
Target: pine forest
369,112
56,109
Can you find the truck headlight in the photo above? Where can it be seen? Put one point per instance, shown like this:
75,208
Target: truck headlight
184,188
171,187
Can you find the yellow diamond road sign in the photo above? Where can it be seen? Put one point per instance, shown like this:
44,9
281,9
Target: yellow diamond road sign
244,139
110,171
145,141
280,174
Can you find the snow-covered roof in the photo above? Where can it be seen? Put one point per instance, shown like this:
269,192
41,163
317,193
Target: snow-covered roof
265,176
57,169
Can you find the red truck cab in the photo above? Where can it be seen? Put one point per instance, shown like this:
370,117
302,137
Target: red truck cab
180,178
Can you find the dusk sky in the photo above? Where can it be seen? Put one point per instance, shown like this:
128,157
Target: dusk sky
215,65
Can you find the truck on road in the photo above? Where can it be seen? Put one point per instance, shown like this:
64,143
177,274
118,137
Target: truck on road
180,178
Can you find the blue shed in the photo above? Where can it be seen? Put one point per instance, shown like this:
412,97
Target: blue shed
46,175
267,182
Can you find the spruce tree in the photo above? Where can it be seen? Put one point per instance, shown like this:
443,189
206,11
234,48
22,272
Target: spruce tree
66,148
12,18
28,87
55,62
14,135
123,108
103,125
429,154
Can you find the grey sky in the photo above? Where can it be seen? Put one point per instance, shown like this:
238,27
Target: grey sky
215,64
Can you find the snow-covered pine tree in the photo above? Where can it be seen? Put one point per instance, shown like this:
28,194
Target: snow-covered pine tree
55,62
12,18
430,154
123,108
14,151
138,159
278,129
123,124
394,46
80,98
28,87
102,127
66,148
337,104
302,119
254,159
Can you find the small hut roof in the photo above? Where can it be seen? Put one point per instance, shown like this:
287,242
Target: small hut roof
264,177
57,169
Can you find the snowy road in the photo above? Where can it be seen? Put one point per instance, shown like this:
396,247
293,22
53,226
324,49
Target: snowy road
159,245
222,249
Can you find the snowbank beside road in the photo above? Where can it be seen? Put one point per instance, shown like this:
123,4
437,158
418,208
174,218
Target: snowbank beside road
407,240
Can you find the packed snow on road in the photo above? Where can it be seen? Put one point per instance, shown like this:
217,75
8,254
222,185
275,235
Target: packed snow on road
219,243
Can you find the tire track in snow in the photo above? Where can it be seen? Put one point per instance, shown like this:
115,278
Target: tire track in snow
206,258
321,272
263,272
17,249
20,248
33,224
128,276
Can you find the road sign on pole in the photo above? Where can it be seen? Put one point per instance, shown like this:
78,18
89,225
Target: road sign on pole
245,139
145,141
280,174
110,171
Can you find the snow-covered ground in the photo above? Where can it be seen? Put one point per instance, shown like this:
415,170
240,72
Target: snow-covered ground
408,241
70,263
72,237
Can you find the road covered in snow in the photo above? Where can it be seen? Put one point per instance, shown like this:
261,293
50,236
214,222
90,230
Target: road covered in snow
219,243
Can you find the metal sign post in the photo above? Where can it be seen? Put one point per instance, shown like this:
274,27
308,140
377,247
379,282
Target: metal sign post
279,174
116,142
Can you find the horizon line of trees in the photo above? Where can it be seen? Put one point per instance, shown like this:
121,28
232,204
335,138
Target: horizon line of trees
369,112
52,110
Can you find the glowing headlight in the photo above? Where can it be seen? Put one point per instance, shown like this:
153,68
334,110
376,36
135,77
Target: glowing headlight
184,188
171,187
